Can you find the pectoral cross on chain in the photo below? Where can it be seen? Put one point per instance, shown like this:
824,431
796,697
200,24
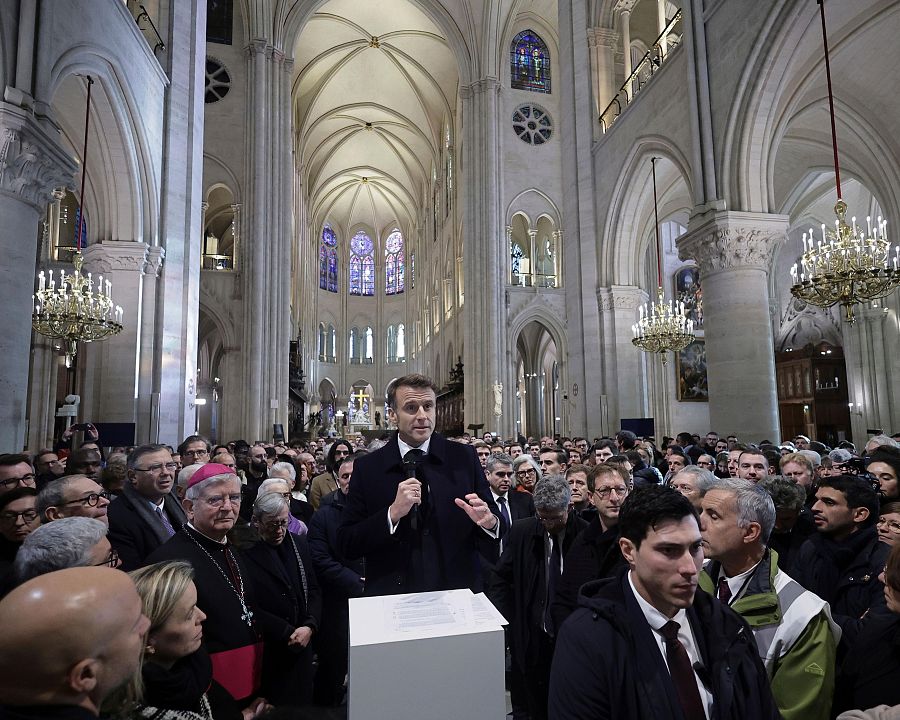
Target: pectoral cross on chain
247,617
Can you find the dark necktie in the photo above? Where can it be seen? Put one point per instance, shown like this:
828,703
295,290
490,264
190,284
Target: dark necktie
504,511
724,591
682,673
554,570
165,521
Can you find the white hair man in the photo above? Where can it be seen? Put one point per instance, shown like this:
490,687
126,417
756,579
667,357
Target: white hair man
64,543
795,634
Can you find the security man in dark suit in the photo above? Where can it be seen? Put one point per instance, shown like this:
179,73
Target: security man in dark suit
419,509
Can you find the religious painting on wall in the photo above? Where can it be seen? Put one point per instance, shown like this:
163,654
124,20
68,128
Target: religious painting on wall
689,292
690,373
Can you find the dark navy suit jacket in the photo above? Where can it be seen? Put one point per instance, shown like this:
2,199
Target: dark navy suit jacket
451,471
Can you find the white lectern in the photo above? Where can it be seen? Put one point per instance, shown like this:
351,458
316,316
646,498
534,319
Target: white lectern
437,655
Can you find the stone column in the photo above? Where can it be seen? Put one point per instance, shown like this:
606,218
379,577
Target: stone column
118,358
870,349
602,43
267,250
578,126
485,348
178,293
625,19
734,251
622,367
148,401
661,25
32,165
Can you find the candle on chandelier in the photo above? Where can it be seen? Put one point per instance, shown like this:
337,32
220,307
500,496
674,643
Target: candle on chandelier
42,280
868,226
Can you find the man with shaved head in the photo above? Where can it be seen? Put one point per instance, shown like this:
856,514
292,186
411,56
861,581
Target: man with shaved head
77,634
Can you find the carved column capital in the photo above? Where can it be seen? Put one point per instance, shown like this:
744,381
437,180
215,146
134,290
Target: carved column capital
155,256
32,163
728,240
620,297
116,256
484,85
602,37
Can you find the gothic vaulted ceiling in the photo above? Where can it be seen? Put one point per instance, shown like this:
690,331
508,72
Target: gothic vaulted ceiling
375,87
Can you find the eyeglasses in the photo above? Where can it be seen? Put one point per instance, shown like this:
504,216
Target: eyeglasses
275,524
704,463
26,480
11,517
170,466
217,501
90,500
606,492
195,453
553,519
525,473
112,560
892,525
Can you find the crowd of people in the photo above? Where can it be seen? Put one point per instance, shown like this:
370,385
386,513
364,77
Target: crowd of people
697,577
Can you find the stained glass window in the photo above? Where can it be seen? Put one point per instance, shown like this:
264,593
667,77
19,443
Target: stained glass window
529,63
328,260
393,263
401,342
362,265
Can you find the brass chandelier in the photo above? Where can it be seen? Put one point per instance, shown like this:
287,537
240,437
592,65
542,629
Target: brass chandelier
846,265
73,310
663,326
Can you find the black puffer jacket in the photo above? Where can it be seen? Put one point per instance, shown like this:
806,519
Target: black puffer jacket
608,665
845,575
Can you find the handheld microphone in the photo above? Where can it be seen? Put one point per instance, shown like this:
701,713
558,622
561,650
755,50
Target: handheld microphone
410,463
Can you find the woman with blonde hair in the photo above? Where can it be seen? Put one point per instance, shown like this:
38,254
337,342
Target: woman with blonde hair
175,679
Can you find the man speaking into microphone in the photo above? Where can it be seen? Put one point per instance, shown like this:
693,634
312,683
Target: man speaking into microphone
420,509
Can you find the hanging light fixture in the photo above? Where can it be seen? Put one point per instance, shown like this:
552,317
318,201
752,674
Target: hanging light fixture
847,265
664,326
72,309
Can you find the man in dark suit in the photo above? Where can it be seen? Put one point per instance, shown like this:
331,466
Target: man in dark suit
523,588
147,513
648,643
419,509
512,505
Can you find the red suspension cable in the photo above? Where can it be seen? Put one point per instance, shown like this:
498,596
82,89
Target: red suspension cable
87,119
837,164
656,222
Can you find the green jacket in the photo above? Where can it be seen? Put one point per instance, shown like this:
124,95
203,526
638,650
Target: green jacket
796,637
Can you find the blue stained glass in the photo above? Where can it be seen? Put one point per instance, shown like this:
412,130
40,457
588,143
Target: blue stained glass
362,265
393,263
328,260
529,63
361,244
355,285
332,271
368,276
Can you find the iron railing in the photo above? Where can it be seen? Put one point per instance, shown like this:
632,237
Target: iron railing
668,40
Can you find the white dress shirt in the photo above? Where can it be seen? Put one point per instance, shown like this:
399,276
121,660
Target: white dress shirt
656,620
